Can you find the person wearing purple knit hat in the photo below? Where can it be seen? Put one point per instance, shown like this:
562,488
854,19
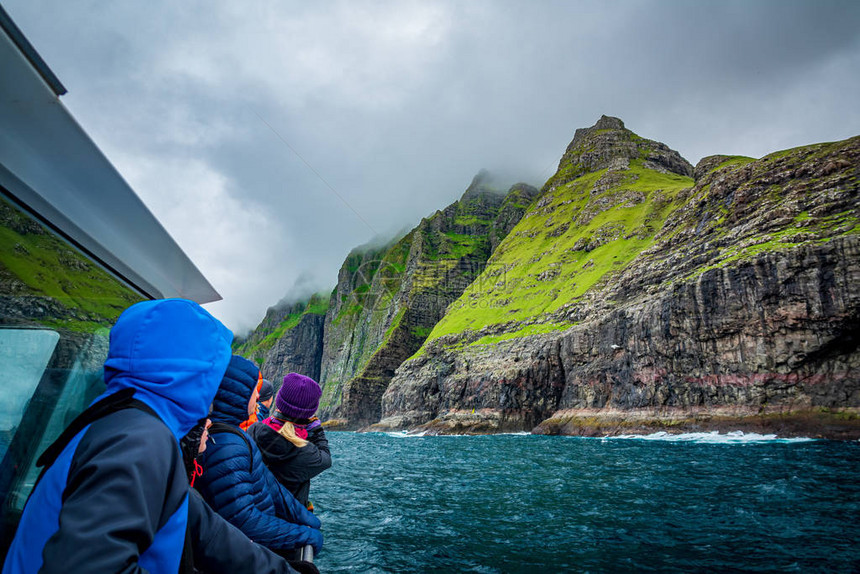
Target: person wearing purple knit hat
292,440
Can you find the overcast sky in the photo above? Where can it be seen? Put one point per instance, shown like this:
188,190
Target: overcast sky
270,138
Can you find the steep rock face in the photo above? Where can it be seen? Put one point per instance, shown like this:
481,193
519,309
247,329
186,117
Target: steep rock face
252,345
777,331
299,350
289,339
390,299
352,330
516,203
739,298
771,335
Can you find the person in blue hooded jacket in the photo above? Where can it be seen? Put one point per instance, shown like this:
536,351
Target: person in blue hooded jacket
116,497
235,481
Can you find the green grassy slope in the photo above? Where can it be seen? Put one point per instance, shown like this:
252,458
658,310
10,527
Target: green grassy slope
590,226
388,303
574,237
779,203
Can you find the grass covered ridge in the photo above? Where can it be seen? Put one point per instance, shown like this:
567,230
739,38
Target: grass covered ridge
583,233
787,199
566,244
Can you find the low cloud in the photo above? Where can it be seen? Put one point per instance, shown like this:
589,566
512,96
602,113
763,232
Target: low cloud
272,138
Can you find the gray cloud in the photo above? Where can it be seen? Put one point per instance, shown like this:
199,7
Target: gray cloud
398,104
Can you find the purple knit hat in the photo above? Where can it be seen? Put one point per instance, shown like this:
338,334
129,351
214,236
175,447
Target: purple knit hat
298,397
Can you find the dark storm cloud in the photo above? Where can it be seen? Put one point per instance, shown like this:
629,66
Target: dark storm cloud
203,106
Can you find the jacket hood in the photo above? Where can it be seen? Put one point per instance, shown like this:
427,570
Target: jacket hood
173,353
231,401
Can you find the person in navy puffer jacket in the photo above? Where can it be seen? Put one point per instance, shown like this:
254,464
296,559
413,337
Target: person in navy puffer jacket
235,481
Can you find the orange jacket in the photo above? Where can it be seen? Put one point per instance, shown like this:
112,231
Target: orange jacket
253,418
249,422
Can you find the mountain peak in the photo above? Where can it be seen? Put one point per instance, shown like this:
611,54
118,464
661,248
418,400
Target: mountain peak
604,123
609,123
609,145
483,176
484,183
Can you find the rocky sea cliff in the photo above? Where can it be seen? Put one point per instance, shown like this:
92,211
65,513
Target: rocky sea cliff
632,293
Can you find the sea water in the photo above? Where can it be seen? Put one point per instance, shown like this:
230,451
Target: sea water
522,503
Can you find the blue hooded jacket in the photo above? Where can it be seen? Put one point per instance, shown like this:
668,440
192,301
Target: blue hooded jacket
235,480
116,498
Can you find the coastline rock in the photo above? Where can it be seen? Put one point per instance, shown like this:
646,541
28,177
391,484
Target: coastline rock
745,301
632,293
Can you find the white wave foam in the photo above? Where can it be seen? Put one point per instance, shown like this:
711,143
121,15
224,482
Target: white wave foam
415,434
714,437
405,434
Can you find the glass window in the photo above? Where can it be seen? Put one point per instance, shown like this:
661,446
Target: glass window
56,309
24,354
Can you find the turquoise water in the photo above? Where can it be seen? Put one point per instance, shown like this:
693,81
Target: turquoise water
522,503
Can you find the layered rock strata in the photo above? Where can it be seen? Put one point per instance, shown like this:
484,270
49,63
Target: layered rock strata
666,302
389,298
289,339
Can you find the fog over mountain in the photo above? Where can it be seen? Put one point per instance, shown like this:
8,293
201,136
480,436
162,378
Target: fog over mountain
270,138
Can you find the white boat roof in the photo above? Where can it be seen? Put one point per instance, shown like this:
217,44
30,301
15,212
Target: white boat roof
51,167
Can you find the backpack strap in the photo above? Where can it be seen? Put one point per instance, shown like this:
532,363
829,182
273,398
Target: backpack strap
224,427
118,401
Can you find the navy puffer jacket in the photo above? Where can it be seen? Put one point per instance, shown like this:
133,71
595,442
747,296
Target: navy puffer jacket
237,483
